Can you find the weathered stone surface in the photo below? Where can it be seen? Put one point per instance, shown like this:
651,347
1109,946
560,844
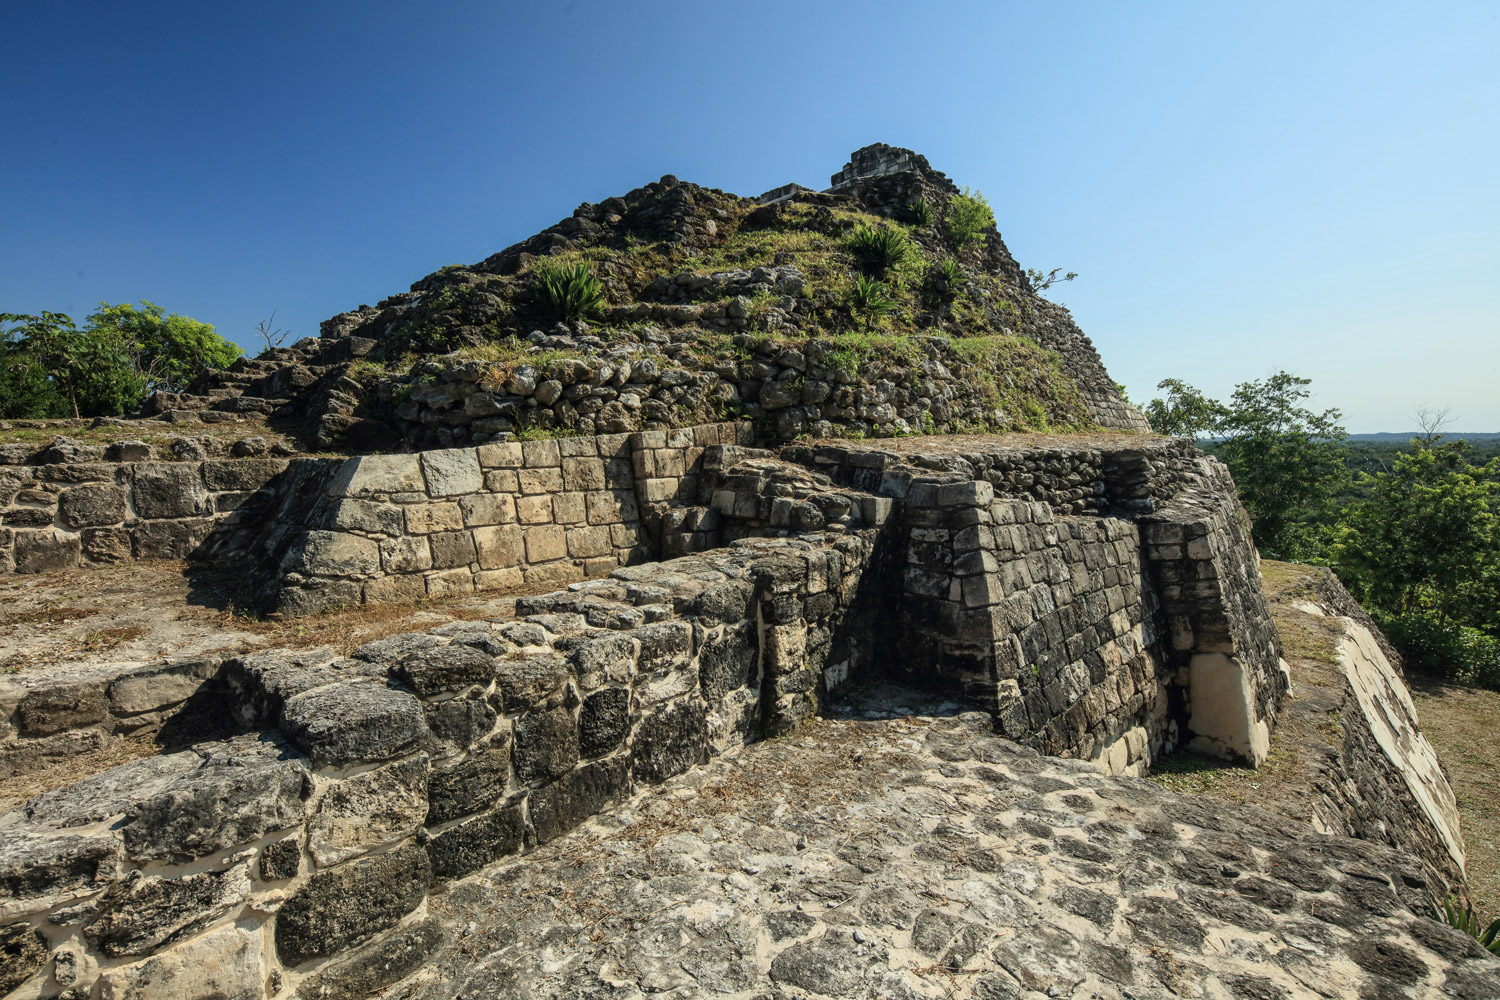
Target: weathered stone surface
377,965
168,489
461,722
546,745
370,809
527,682
882,874
140,913
726,662
477,842
222,965
446,668
50,710
242,473
91,506
669,741
23,951
30,755
151,688
452,472
281,860
474,784
369,475
45,551
562,805
353,722
244,790
350,903
40,868
603,721
111,792
334,553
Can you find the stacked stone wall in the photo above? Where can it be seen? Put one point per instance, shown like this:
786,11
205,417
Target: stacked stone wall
298,857
65,515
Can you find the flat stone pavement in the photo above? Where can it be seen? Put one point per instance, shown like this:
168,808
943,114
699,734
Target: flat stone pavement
924,857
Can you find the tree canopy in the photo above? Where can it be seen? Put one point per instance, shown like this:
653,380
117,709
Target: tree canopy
51,367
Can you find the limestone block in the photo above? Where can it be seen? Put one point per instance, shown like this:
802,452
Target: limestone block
460,723
167,539
553,573
370,809
545,543
499,547
540,454
727,661
334,553
351,722
224,965
369,475
405,554
377,965
444,668
426,518
106,545
281,860
499,579
395,590
91,506
658,490
1223,719
487,509
242,473
168,489
473,784
505,455
584,542
502,481
545,480
564,804
350,903
40,868
583,446
534,509
147,689
451,549
477,842
244,790
451,581
669,741
45,711
140,913
569,508
603,722
368,516
546,744
45,551
583,474
23,951
611,507
452,472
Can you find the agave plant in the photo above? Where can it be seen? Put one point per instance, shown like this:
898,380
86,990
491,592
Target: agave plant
878,249
1465,920
870,299
572,289
919,213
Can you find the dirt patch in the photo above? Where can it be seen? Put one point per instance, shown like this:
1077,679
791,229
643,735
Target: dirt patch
1463,725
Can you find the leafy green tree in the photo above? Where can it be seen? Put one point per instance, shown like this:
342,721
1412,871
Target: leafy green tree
53,368
1287,461
166,350
1427,535
1185,412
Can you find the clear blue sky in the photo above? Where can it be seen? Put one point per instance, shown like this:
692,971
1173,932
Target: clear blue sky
1242,187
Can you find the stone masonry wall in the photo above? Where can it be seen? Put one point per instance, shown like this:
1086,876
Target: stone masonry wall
64,515
297,858
502,515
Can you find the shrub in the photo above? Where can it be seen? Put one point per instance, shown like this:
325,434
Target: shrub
572,289
870,299
878,249
969,218
1434,645
919,213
